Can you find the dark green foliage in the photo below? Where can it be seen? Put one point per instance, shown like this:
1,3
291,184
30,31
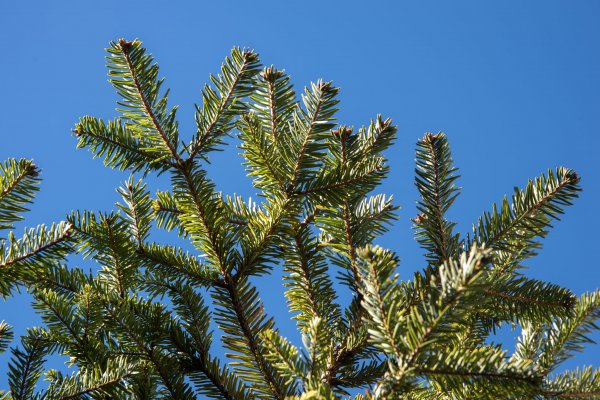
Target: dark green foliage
221,104
22,258
18,184
6,335
27,364
514,229
435,177
140,327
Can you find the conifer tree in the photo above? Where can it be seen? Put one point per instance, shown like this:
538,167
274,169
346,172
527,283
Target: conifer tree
142,325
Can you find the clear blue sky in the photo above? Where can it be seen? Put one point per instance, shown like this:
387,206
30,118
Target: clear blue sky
514,84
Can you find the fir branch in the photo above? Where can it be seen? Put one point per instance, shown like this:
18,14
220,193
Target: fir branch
274,101
262,155
174,261
107,380
249,325
477,374
221,382
578,384
261,244
378,298
320,102
322,187
377,137
233,84
166,214
26,365
444,306
137,208
118,145
96,388
200,216
513,230
568,334
529,300
19,181
435,177
146,90
37,246
6,336
59,315
137,320
285,357
351,249
310,292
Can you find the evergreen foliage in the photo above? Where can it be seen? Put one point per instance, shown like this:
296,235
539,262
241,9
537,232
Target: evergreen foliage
140,326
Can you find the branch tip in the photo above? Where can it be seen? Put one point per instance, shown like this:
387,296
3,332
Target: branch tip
125,45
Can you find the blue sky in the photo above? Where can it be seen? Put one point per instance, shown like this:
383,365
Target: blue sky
515,85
